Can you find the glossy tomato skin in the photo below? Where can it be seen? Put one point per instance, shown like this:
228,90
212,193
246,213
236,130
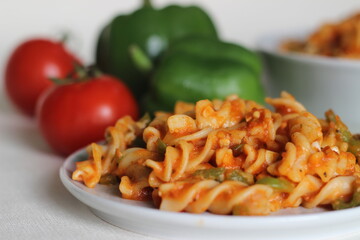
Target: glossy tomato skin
75,115
29,68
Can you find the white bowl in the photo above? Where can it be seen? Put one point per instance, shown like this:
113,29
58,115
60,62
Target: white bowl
319,83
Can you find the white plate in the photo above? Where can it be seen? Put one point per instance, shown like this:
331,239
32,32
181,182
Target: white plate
141,217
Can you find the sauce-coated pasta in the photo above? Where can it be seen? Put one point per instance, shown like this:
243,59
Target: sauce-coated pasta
340,39
229,157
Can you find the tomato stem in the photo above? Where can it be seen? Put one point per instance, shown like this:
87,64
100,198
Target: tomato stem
80,74
64,38
80,71
61,81
93,71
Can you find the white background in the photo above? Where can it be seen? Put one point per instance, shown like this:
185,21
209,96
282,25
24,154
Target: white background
241,21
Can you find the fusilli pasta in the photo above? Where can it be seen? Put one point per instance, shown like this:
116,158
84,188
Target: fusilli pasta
229,157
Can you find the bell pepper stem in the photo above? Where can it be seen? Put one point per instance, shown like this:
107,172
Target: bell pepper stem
140,59
147,3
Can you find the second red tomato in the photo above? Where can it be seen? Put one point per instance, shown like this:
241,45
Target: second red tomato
73,115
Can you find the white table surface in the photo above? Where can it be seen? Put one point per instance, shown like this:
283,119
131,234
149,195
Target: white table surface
34,204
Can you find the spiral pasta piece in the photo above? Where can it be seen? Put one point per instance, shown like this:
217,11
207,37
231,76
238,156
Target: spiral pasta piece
220,198
308,185
89,171
175,163
334,189
227,114
286,104
306,137
331,163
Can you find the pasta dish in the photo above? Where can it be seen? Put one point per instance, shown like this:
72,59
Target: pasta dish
333,40
229,157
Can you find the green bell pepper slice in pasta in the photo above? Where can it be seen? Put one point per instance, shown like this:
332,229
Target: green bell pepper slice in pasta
342,129
109,179
161,146
344,133
280,184
211,173
237,149
354,202
240,210
222,174
240,176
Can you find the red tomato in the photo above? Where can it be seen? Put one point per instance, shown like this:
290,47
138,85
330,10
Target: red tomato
29,68
74,115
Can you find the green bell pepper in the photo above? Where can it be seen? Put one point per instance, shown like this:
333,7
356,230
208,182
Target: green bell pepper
197,68
150,30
